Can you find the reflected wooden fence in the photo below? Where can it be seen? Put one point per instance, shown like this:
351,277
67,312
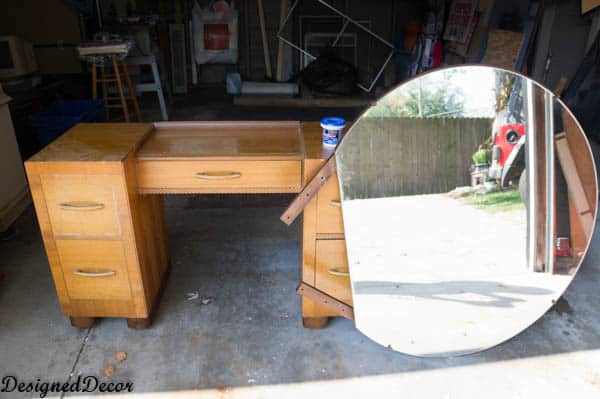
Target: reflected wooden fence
408,156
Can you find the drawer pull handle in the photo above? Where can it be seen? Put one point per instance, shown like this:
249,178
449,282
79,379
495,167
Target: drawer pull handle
102,273
218,175
339,272
336,203
81,206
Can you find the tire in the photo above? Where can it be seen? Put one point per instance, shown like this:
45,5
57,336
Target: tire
523,187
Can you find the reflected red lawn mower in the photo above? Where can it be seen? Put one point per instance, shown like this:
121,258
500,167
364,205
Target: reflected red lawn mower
508,146
508,155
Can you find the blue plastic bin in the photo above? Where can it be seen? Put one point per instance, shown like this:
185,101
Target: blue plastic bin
62,116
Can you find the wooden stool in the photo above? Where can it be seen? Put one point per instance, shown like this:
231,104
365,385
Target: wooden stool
116,76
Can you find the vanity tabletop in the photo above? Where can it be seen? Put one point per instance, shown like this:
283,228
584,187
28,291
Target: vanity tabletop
95,142
243,140
224,141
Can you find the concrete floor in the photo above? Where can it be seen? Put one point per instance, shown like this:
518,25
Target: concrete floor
249,342
250,336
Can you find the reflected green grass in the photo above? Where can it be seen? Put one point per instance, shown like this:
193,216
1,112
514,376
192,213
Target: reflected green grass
501,201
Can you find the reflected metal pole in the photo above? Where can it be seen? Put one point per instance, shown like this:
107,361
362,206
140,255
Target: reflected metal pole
550,194
531,179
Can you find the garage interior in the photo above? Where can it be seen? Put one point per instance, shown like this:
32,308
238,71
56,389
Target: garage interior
229,321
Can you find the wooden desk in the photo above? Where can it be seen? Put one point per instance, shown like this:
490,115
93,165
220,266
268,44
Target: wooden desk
105,235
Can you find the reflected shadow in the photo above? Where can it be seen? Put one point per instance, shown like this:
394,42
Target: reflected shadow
491,293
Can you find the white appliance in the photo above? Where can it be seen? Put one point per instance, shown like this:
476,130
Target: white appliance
14,191
16,57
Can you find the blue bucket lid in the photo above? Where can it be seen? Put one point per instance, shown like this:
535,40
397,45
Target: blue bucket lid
333,122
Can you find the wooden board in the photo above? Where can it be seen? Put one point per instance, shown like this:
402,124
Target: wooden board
314,150
308,192
325,300
584,211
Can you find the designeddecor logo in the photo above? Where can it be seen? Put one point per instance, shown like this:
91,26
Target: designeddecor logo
85,383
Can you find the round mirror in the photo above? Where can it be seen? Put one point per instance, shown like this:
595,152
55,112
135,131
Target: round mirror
469,198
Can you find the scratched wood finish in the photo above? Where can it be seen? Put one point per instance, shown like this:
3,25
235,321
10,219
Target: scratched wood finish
124,236
328,220
83,205
151,246
99,164
95,142
224,141
222,157
310,309
423,156
101,257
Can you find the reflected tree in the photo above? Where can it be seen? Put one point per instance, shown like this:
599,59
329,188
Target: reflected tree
434,99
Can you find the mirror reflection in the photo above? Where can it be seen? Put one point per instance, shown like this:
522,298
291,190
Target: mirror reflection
466,214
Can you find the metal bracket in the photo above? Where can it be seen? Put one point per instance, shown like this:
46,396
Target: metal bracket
326,300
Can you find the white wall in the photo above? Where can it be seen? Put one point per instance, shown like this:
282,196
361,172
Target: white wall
14,192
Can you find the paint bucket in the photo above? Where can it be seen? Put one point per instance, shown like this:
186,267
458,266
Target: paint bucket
332,130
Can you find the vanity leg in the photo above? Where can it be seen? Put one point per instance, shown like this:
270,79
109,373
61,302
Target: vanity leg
143,323
139,324
83,322
315,322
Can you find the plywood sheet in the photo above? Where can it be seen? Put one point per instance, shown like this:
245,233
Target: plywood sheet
503,48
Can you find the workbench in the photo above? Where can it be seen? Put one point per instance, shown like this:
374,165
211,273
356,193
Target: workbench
98,191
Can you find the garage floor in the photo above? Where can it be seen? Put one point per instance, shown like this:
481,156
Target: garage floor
229,324
235,252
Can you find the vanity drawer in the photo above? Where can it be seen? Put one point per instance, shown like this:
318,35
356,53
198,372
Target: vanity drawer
331,266
219,176
94,270
83,205
329,209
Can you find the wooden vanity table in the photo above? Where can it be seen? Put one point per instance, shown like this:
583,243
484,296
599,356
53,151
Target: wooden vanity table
97,194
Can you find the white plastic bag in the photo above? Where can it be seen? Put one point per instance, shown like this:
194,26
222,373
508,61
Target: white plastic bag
215,35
